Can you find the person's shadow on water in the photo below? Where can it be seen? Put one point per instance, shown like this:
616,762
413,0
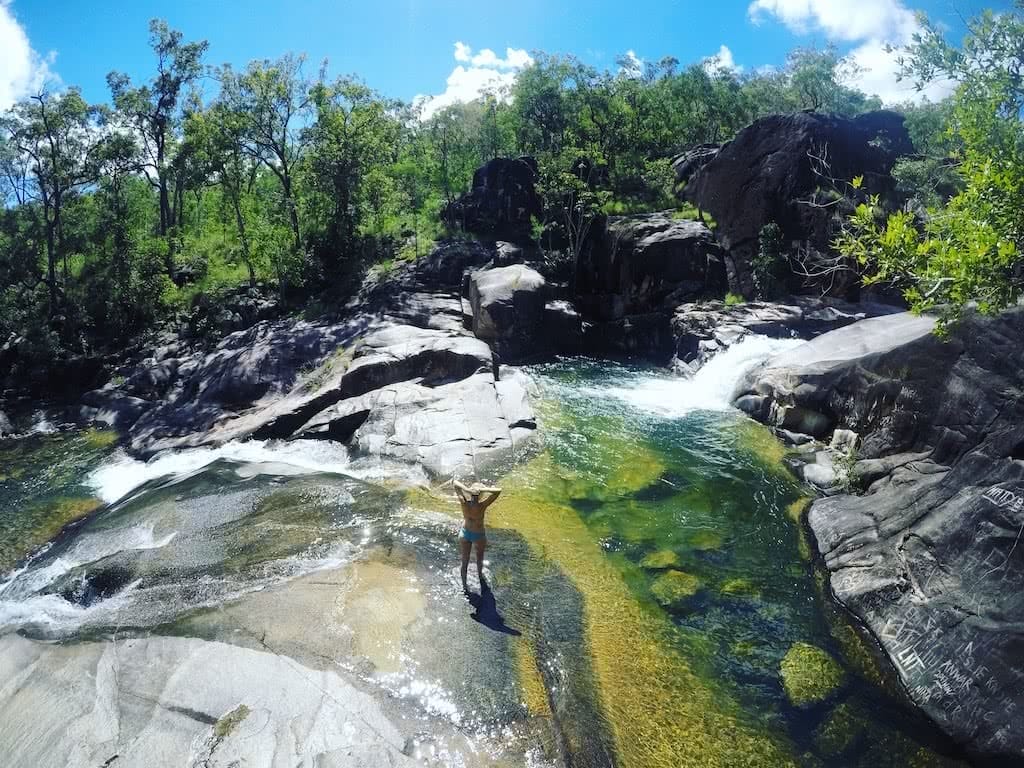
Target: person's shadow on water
487,611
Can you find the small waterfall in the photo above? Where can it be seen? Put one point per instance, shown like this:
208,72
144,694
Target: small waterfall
711,388
122,474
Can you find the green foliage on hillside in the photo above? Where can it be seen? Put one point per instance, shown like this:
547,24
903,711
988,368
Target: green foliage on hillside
969,249
121,215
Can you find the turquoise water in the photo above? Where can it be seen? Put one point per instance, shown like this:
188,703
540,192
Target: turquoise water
649,567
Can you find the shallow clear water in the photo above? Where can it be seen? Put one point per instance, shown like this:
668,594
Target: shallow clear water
649,577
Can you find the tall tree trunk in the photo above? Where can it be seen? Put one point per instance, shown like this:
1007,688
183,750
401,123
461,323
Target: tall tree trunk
293,214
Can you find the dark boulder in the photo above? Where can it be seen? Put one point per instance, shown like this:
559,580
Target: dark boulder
931,558
791,170
447,263
652,260
501,203
685,165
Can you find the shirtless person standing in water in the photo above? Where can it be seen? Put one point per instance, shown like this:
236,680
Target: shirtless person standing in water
473,508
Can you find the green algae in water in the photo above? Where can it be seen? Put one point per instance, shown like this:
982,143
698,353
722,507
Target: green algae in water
674,587
660,560
719,473
43,488
740,588
810,675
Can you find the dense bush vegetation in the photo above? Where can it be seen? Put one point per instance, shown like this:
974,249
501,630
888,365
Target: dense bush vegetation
120,215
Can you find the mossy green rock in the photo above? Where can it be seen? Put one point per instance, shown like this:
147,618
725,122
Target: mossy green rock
674,587
840,731
740,588
660,561
810,675
706,540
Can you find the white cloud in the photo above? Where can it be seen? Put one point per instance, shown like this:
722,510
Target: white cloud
840,19
875,26
631,65
475,75
22,70
878,76
722,61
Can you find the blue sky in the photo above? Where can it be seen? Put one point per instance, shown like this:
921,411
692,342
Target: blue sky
406,48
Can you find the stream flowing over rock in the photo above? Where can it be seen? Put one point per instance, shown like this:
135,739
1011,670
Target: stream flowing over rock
930,557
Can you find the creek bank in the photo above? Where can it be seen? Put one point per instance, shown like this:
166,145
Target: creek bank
399,377
929,557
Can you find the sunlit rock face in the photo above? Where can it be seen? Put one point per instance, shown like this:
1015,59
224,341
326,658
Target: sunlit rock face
778,164
930,557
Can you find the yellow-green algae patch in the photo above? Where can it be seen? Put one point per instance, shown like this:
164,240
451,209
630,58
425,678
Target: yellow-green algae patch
739,588
674,587
660,561
98,439
659,712
798,509
840,730
810,674
223,727
705,540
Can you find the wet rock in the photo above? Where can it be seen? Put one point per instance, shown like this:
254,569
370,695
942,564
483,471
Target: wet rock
702,330
114,408
6,427
809,675
929,559
661,560
648,336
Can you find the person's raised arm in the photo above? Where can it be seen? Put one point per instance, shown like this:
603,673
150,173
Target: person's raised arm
460,490
495,493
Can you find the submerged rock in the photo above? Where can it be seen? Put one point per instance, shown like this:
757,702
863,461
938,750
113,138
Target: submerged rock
674,587
659,561
809,675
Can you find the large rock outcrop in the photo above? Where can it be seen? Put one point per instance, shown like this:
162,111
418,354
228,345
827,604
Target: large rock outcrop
652,260
401,378
791,170
931,557
507,308
501,203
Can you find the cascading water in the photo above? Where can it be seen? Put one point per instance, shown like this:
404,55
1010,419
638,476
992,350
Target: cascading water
647,581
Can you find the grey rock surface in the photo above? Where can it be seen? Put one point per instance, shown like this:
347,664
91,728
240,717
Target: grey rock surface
164,701
702,330
931,558
508,306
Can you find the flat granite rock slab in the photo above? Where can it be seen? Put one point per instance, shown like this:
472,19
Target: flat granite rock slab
163,701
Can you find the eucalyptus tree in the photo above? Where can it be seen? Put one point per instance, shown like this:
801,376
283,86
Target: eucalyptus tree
52,143
153,111
355,132
273,105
